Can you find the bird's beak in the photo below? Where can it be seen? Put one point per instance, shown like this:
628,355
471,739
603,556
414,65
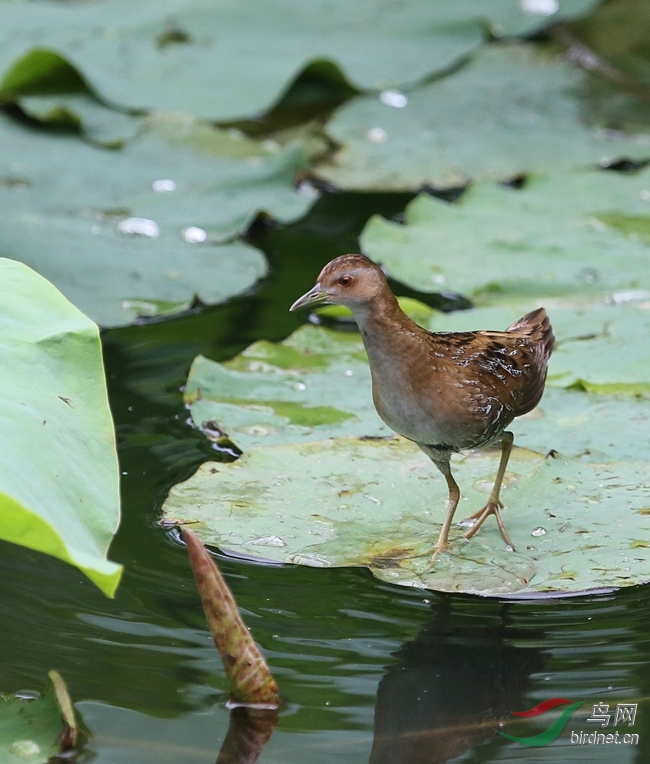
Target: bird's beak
314,296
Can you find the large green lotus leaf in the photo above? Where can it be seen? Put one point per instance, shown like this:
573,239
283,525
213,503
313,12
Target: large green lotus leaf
350,502
566,233
231,59
512,110
59,478
314,385
602,347
64,204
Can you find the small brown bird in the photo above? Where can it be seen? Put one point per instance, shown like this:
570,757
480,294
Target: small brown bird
445,391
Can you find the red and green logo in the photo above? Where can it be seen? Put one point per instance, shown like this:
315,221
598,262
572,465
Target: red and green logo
553,732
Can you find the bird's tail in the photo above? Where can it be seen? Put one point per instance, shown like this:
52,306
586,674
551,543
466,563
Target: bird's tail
537,327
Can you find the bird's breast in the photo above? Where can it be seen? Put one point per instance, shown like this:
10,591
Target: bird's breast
415,413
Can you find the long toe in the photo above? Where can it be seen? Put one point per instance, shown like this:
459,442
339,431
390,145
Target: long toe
470,518
478,518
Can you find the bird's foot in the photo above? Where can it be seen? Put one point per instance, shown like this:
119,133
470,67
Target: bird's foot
436,551
478,518
471,519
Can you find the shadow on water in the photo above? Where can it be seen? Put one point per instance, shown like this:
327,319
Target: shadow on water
369,672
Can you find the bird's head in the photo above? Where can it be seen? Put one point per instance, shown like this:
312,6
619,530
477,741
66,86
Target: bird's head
350,280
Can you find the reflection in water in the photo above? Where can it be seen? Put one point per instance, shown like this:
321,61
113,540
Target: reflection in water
453,684
249,731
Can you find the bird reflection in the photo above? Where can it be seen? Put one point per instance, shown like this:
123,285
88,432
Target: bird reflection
452,685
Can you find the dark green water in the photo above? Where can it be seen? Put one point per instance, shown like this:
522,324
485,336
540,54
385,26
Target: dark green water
370,672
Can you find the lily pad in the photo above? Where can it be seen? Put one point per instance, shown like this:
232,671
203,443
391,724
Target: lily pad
560,234
141,230
50,90
349,502
233,59
314,385
592,427
602,347
59,478
512,110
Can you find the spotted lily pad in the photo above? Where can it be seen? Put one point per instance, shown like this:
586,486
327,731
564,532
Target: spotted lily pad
560,234
141,230
380,503
512,110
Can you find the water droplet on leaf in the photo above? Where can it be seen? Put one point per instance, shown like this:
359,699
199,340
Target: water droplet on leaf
194,235
139,227
27,695
377,135
25,749
393,98
164,184
540,7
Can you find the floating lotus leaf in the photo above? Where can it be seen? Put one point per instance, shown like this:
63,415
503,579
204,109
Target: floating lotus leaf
349,502
560,234
233,59
314,385
591,427
511,110
67,208
602,347
59,478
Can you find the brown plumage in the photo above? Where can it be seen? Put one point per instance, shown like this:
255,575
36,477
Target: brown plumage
446,391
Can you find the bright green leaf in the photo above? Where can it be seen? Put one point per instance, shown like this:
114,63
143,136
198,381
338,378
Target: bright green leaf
348,502
511,110
59,479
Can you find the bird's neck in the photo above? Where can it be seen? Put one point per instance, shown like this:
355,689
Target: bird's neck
383,324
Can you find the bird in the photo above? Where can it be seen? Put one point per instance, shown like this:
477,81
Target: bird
445,391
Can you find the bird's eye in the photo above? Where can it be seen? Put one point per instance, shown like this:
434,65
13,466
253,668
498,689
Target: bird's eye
345,281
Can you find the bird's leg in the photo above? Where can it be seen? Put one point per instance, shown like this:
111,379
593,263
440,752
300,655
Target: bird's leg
494,503
454,498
